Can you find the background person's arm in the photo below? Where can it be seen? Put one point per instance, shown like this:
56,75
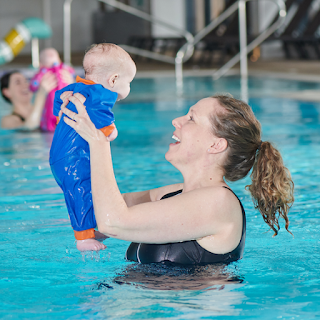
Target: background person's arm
48,83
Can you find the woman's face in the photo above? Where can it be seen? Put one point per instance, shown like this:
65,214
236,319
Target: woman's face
18,90
193,133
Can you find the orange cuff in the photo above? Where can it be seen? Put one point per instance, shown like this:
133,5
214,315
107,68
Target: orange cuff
58,119
85,234
107,130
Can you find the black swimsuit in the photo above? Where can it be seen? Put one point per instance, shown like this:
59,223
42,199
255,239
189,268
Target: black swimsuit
186,252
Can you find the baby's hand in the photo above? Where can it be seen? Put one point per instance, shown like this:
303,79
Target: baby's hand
113,135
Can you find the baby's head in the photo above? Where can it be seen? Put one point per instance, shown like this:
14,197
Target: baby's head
110,66
49,57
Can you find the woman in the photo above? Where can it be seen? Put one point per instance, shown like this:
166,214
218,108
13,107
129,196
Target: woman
15,90
200,220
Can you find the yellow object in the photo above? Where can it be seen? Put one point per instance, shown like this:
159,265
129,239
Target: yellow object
21,34
15,41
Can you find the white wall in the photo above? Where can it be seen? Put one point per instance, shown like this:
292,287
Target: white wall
170,11
13,11
267,12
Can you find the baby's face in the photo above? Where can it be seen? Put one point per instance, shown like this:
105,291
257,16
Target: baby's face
122,85
50,58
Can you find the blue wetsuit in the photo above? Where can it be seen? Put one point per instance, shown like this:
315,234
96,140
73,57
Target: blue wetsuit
69,153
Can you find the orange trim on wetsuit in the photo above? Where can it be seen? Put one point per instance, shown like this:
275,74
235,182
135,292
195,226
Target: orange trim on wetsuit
85,234
105,130
85,81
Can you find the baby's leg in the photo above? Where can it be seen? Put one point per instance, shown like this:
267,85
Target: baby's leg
76,181
90,245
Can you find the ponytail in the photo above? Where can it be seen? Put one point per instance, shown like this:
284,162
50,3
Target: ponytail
272,186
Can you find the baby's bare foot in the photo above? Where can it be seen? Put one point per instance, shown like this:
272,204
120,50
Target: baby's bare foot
90,245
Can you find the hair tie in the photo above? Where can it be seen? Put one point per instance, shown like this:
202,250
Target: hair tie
259,147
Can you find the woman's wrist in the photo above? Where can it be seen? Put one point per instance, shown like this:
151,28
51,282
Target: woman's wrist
42,90
98,139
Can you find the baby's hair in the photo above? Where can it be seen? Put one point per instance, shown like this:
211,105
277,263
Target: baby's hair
104,57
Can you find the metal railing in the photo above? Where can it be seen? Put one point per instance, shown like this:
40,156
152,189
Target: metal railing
186,51
244,48
183,54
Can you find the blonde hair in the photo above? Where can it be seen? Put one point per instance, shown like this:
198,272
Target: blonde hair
272,186
104,57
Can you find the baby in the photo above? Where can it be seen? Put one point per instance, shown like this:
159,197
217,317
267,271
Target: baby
49,62
108,73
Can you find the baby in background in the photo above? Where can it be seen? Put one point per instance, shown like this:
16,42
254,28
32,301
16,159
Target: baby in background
50,62
109,71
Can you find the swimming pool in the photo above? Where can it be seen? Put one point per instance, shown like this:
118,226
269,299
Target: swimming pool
43,276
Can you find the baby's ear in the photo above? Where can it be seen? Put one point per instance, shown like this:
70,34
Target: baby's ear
112,80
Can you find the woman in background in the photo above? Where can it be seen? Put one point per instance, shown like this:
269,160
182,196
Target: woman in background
15,90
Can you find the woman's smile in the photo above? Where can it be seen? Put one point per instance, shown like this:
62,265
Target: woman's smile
176,138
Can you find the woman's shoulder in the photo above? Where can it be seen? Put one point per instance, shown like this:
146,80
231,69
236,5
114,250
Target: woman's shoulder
215,196
11,121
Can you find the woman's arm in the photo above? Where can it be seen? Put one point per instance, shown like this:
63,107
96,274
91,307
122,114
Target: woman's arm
193,215
134,198
48,83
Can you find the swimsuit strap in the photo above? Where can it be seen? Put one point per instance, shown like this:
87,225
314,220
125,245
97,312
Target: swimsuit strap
236,197
171,194
23,119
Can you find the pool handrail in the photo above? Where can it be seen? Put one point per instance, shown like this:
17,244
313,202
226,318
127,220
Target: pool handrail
244,47
186,51
183,54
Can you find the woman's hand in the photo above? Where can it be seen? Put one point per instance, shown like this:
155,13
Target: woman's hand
66,76
80,121
65,97
48,82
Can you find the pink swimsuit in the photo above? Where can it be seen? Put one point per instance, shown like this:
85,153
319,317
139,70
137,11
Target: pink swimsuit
48,120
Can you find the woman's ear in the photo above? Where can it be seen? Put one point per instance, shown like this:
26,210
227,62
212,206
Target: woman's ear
220,145
113,79
5,92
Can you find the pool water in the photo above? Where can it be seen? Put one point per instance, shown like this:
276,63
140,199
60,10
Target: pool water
43,276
